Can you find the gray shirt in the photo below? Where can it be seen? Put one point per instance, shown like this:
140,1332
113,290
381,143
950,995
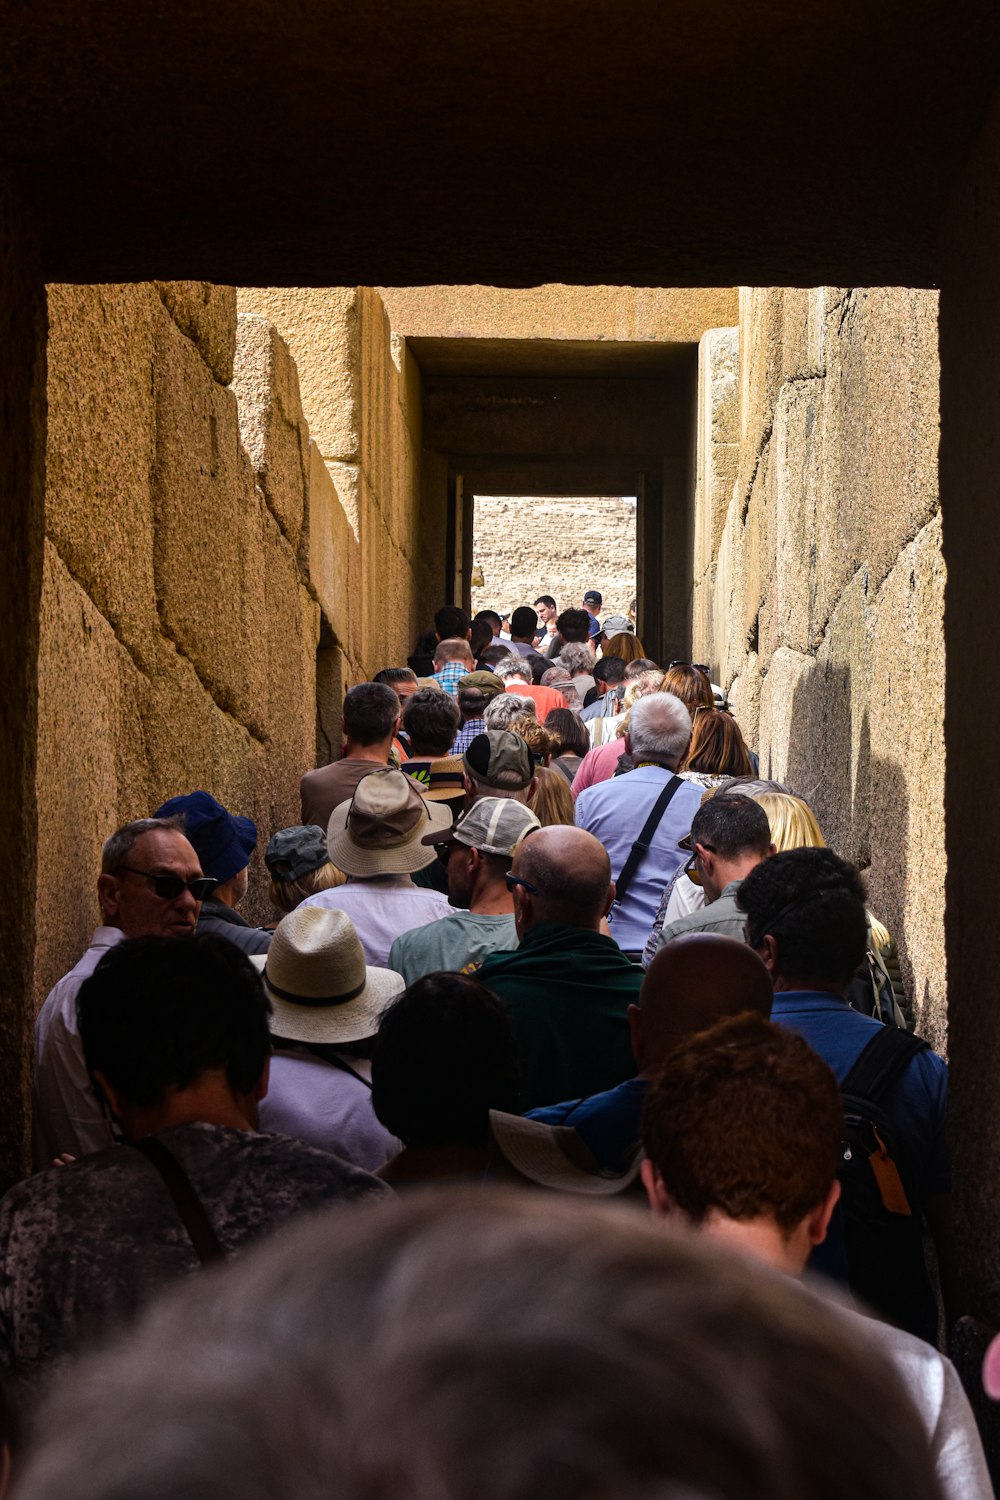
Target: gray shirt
465,938
721,916
83,1247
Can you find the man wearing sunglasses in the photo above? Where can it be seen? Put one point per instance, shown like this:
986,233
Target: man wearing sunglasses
729,837
151,885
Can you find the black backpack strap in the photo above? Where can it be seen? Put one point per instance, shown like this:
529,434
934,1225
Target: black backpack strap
881,1062
189,1206
642,843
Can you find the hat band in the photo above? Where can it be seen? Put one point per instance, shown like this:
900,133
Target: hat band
313,999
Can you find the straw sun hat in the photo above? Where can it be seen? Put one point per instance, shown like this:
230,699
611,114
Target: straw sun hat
379,831
316,978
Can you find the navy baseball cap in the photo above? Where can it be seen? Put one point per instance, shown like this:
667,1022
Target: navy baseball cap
222,841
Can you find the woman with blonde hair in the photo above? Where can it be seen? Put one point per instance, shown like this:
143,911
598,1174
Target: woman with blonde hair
299,866
624,644
793,822
717,749
539,740
552,801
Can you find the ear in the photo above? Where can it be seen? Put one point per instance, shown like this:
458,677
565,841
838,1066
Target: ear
627,742
771,849
660,1201
107,893
819,1219
768,951
111,1094
706,859
263,1082
609,903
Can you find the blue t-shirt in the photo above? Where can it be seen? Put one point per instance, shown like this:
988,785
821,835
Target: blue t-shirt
608,1123
916,1104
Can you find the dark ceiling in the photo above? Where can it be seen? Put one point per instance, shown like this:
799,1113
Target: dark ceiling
644,142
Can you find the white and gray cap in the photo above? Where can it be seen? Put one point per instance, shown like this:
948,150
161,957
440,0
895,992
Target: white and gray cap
494,825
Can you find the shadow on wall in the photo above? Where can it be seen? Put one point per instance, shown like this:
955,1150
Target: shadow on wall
862,802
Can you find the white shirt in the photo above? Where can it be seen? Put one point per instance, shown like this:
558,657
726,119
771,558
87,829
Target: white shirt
66,1113
314,1101
381,908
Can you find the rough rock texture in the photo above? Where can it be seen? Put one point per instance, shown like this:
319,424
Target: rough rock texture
820,584
530,546
179,628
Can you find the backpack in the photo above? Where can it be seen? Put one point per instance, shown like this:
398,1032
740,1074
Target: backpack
882,1218
877,990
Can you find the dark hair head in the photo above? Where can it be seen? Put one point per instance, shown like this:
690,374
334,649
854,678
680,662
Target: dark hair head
717,747
488,659
445,1056
746,1119
812,903
390,675
691,685
158,1012
502,1345
431,720
370,712
574,625
545,599
121,843
491,617
523,622
635,669
731,826
570,731
481,635
609,670
451,621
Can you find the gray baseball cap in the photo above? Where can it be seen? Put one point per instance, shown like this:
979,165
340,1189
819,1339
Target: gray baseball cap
500,759
493,825
293,852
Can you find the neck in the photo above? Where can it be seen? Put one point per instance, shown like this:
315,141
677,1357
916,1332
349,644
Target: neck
226,893
491,898
208,1102
727,870
378,753
762,1240
423,1163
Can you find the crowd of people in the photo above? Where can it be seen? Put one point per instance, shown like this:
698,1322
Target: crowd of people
542,935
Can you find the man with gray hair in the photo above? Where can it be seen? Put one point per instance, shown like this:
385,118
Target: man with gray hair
151,885
641,816
516,675
502,710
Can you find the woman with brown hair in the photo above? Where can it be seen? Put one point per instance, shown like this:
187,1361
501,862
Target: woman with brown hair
573,741
717,749
624,644
690,683
552,801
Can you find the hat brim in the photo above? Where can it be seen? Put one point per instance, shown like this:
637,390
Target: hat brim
332,1024
401,858
555,1157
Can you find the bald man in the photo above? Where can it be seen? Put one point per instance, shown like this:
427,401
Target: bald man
567,987
692,983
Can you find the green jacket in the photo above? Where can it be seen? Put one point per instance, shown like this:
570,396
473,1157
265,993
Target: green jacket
566,992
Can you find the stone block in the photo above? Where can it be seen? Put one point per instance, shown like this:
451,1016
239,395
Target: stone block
100,449
209,530
908,863
290,713
206,314
91,769
320,325
779,690
272,428
334,549
795,449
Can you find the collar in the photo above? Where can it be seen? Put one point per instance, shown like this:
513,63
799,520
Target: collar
106,937
810,1001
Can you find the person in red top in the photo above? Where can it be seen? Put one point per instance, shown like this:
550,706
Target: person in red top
515,674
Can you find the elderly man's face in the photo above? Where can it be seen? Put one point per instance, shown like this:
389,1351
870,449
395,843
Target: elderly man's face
129,900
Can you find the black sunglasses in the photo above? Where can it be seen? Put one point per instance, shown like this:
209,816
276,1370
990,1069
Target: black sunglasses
169,887
514,880
699,666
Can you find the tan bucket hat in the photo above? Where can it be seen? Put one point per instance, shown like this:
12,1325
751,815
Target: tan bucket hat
378,832
316,978
553,1156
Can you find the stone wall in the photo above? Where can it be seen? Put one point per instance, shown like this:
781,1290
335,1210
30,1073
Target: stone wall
179,620
378,548
526,547
820,580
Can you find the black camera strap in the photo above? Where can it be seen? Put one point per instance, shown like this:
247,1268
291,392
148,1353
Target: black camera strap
641,846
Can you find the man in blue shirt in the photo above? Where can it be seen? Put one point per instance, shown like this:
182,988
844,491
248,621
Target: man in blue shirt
805,911
616,811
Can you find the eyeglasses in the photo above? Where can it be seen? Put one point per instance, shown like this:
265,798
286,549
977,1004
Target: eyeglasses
691,868
443,851
169,887
699,666
514,880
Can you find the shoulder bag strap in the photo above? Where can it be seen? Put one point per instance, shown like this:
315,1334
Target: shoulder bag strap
642,843
881,1063
189,1206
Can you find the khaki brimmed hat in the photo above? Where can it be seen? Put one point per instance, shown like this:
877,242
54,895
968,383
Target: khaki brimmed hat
494,825
500,759
379,831
316,978
554,1156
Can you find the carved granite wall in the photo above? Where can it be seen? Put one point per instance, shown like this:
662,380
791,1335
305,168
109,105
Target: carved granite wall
820,580
179,621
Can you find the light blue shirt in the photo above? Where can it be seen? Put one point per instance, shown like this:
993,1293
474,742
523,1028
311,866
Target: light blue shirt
614,811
